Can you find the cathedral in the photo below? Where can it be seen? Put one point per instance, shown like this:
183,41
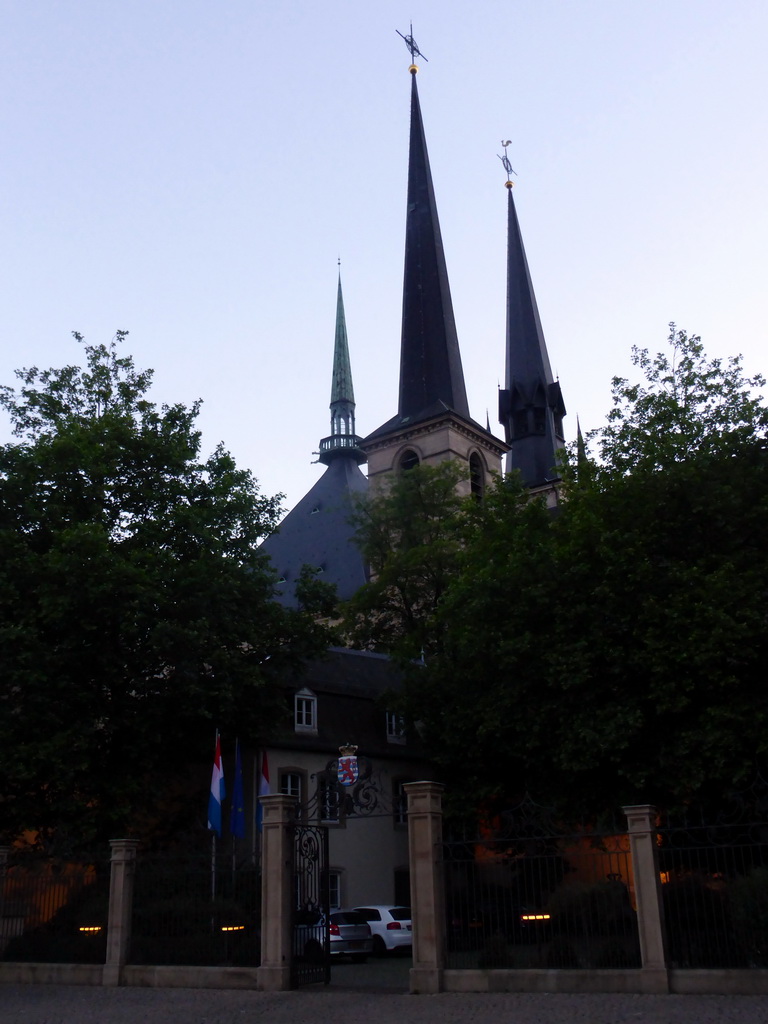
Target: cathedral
341,698
433,421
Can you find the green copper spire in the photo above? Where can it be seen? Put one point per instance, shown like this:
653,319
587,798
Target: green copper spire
343,440
342,391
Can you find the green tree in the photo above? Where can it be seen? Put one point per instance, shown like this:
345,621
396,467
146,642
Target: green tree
686,405
612,652
136,612
410,535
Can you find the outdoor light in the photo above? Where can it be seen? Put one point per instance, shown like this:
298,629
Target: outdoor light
534,917
233,927
90,928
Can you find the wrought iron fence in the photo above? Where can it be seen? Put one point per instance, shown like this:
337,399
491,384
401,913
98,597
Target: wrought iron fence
187,910
54,910
715,894
522,894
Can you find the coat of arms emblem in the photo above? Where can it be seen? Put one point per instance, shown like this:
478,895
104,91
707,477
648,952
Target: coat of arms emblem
347,770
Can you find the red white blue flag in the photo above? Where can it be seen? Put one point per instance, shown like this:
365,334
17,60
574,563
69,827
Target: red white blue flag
264,789
218,792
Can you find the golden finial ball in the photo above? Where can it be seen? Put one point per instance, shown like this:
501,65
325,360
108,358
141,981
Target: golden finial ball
414,69
509,184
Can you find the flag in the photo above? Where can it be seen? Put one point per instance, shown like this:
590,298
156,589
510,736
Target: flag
263,788
218,792
237,811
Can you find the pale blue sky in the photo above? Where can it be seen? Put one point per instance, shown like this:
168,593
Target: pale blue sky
190,171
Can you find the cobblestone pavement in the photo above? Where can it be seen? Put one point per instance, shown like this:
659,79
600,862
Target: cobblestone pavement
75,1004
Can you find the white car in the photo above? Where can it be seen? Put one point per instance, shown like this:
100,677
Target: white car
390,927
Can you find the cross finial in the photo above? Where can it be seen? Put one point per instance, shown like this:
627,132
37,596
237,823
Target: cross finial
410,42
506,164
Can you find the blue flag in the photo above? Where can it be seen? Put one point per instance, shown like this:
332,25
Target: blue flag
237,811
263,790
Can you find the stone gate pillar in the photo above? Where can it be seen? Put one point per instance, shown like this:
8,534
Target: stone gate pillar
279,814
4,851
121,876
641,820
425,833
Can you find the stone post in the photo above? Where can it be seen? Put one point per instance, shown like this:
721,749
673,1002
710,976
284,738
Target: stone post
279,814
4,852
425,833
650,912
122,870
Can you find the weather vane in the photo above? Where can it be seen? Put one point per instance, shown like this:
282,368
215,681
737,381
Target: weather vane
410,42
506,164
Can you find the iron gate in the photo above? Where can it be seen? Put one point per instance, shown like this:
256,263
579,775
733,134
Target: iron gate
311,958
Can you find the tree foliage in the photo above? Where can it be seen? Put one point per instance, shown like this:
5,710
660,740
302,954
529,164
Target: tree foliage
136,613
687,405
409,535
612,652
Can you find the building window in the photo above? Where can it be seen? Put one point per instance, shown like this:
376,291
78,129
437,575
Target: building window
328,799
334,889
305,711
408,460
290,784
476,476
400,802
395,727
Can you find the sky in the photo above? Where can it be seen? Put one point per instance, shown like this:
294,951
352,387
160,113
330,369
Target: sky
192,171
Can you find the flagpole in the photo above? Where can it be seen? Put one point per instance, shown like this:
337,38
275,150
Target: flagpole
215,800
213,866
255,775
233,815
213,845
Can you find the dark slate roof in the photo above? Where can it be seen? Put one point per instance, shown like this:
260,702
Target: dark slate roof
430,361
438,408
350,688
527,357
317,532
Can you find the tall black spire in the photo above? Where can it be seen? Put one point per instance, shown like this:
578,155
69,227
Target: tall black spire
531,406
432,422
430,362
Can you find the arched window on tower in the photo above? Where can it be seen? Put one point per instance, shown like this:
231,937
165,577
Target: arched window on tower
408,460
476,476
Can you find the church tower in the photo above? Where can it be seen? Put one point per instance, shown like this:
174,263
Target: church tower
317,531
531,407
433,422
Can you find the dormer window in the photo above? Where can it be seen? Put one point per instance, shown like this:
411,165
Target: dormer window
305,712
